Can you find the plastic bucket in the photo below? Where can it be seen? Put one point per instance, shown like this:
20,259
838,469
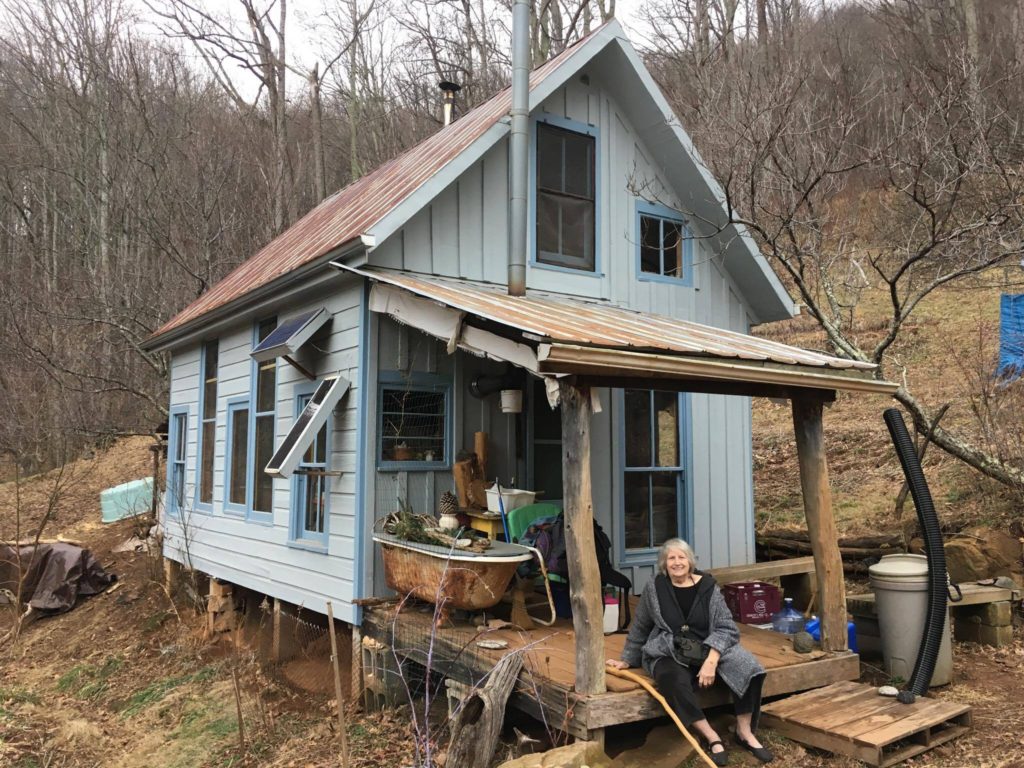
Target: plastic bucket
900,584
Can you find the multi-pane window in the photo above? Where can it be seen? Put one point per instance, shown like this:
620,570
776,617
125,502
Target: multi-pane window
653,481
263,423
414,422
177,444
236,478
664,247
311,487
565,198
208,421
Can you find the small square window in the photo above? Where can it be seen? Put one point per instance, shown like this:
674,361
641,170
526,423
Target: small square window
414,424
664,245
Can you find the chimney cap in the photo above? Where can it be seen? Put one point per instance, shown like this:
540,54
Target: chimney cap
447,85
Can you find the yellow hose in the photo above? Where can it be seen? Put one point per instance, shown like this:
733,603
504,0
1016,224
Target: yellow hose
625,674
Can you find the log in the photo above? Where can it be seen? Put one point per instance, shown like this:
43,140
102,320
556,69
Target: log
868,542
478,723
462,471
821,524
584,573
480,448
805,548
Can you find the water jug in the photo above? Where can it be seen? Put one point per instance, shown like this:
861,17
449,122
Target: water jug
789,620
611,614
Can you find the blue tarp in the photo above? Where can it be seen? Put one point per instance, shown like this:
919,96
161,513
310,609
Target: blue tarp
1011,336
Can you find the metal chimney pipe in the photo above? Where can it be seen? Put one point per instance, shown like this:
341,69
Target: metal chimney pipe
519,148
450,89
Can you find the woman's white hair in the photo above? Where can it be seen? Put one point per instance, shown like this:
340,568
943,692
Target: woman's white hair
682,546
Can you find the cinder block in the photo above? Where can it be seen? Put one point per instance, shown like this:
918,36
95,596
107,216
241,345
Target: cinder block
220,588
220,604
983,633
999,614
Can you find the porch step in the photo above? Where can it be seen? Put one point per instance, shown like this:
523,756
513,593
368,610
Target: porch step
851,719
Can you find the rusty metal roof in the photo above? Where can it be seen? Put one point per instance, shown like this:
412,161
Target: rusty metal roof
558,319
350,212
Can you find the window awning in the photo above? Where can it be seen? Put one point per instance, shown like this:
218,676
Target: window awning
290,335
552,334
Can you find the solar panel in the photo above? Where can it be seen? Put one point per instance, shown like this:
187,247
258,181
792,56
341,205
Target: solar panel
290,335
304,430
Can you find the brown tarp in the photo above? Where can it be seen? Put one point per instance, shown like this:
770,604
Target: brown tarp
55,576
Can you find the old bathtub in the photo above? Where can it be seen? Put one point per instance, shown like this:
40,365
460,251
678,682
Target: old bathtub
456,578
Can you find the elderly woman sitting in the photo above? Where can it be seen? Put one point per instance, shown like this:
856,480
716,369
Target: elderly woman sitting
683,632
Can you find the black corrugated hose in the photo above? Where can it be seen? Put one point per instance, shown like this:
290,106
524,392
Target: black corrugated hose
935,620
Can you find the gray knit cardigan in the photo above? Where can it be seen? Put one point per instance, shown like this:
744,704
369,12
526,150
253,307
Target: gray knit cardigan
650,639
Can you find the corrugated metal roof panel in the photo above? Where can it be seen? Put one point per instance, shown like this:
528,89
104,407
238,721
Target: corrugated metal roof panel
565,320
352,211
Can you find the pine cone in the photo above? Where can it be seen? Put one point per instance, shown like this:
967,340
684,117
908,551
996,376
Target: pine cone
449,503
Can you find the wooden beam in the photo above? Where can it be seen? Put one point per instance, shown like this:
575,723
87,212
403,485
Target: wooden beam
672,383
821,525
584,575
770,570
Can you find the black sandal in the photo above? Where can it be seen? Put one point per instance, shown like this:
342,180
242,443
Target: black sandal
718,758
761,753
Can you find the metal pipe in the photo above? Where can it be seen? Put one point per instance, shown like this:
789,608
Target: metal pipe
519,147
449,89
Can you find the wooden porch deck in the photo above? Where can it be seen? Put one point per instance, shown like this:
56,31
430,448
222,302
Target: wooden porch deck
545,689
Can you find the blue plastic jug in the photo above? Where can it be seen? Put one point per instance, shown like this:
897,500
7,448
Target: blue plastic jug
814,629
789,620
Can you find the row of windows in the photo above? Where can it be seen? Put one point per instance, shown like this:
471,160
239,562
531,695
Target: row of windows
566,219
248,490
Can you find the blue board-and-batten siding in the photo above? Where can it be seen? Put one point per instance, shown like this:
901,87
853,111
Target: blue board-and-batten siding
263,556
475,208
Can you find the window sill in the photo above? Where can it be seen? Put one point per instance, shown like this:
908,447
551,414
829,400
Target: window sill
234,510
413,466
650,277
308,546
568,270
266,519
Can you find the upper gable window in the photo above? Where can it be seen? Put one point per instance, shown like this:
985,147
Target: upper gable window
565,198
665,245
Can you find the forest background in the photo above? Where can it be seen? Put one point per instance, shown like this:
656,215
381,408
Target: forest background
874,148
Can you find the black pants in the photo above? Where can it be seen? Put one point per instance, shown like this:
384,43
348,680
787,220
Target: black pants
678,683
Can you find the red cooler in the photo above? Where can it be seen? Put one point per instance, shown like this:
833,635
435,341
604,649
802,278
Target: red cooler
752,602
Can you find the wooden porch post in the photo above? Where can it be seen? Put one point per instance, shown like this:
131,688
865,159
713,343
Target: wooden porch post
584,575
821,525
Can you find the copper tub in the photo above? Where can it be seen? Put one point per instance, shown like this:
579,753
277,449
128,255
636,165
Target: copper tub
452,577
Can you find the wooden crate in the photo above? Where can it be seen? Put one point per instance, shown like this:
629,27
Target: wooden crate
850,718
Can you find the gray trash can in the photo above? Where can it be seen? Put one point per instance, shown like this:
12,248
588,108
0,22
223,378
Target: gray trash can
900,584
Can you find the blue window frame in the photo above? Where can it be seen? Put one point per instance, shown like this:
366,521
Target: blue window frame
311,488
564,184
207,425
177,450
263,415
236,457
664,244
414,421
654,455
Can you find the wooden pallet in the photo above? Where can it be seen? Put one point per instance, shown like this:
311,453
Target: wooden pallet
852,719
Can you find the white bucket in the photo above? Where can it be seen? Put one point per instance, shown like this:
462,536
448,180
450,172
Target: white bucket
900,584
511,401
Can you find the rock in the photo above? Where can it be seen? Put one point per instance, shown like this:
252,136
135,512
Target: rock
803,642
578,755
968,559
916,546
888,690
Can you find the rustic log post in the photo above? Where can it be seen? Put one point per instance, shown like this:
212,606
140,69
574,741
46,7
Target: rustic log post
477,726
336,663
821,525
584,575
275,642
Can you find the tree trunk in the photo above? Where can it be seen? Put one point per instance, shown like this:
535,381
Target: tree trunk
478,723
319,172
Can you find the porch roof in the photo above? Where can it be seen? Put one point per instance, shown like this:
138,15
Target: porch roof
604,341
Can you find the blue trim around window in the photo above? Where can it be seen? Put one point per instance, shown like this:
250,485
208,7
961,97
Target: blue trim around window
263,517
362,463
176,445
531,244
298,535
684,494
414,382
659,211
201,506
236,404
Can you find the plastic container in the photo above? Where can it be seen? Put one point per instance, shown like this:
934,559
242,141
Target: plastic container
813,628
789,620
126,500
512,497
752,602
611,614
900,584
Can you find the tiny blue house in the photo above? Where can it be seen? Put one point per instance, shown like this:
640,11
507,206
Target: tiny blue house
345,366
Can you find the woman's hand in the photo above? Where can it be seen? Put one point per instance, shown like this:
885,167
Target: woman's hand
616,664
708,670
